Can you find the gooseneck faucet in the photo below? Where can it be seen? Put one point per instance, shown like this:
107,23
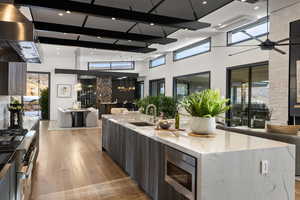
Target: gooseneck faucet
154,111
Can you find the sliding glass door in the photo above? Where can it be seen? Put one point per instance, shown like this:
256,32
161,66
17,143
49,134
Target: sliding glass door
157,87
140,90
249,94
189,84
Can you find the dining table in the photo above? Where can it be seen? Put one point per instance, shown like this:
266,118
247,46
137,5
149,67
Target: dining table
78,116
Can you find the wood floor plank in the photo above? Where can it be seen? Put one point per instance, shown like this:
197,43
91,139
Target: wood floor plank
71,166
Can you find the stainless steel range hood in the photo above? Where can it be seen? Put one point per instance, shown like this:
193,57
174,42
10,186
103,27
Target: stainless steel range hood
17,39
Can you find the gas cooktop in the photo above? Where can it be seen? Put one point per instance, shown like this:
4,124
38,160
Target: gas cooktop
13,132
10,139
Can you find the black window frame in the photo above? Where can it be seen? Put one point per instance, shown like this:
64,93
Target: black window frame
157,80
251,25
110,65
151,61
229,70
204,41
138,85
175,79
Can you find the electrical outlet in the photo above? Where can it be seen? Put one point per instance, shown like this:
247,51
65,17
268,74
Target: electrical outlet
264,167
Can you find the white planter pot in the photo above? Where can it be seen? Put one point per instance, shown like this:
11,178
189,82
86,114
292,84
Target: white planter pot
202,125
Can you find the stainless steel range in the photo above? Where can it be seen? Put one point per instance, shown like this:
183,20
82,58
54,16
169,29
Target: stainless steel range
25,145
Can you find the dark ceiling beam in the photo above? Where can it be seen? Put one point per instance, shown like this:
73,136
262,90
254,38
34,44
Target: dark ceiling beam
95,73
102,33
95,45
121,14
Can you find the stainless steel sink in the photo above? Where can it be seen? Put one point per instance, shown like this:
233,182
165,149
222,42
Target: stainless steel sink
141,124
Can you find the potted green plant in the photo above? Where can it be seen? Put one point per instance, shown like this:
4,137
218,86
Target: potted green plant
204,107
44,103
16,114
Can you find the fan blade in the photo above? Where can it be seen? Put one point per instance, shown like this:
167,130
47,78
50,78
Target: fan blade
243,51
217,46
251,36
279,51
288,44
283,40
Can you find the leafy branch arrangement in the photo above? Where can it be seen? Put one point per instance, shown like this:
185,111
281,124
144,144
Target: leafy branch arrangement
15,105
208,103
164,104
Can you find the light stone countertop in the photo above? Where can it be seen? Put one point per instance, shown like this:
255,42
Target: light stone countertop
224,141
29,122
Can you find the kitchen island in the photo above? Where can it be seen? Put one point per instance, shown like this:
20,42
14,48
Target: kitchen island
227,166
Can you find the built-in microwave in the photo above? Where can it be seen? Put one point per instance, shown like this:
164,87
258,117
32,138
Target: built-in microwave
180,172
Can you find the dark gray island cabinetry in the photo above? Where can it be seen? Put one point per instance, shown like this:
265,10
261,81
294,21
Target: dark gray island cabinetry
172,166
141,157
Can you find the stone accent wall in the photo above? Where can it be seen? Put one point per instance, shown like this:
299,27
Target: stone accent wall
104,89
279,64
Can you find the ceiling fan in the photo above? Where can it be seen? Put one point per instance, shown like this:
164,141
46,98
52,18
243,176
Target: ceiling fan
268,44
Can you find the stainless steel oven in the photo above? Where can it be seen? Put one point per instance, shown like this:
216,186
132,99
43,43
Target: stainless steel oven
180,172
26,155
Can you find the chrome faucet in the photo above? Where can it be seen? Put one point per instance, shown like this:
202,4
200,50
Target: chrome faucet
154,111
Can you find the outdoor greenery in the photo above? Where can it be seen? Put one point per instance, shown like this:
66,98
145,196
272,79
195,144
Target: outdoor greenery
164,104
208,103
44,104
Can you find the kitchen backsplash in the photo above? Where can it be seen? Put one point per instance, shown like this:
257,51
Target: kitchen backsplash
4,100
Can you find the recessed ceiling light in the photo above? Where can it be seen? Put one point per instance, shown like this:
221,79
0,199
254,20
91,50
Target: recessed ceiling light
152,24
129,40
256,7
65,33
69,12
99,37
204,2
219,24
243,0
60,14
113,18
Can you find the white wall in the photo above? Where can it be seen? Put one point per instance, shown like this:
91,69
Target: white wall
279,64
215,61
218,60
65,60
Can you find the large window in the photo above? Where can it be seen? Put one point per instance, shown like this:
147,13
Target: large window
188,84
115,65
157,87
158,61
249,94
257,29
36,83
201,47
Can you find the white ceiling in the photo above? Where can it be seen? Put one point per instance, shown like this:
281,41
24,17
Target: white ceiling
184,37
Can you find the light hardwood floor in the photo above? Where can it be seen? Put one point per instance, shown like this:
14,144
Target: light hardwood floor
72,167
